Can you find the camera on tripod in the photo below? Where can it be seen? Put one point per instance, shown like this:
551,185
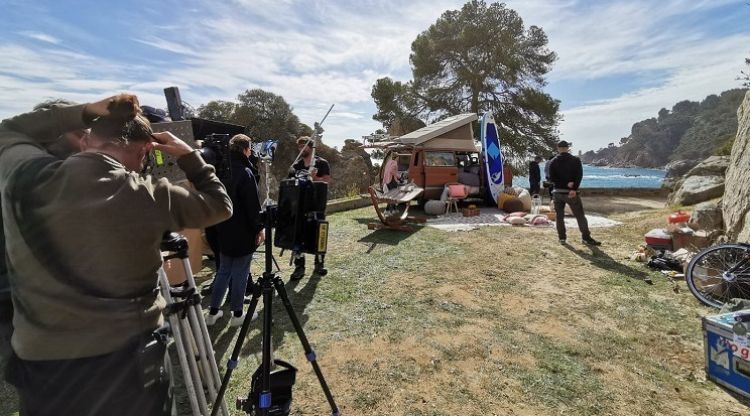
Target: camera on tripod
215,151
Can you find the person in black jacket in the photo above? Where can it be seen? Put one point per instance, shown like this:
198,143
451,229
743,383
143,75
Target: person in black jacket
566,172
535,176
239,236
321,172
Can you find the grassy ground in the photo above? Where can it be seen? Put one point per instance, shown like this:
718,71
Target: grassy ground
497,321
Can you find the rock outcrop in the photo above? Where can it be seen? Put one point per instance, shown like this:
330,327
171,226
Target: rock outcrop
736,201
707,216
695,189
713,166
703,182
675,172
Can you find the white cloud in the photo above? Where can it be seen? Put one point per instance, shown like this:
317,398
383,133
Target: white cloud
42,37
316,53
647,40
168,46
594,125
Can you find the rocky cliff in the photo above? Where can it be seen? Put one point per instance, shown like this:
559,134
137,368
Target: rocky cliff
689,131
736,201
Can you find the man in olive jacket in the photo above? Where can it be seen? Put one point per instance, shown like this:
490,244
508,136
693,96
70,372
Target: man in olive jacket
82,242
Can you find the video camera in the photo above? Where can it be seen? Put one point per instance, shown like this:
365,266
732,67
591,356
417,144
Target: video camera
215,151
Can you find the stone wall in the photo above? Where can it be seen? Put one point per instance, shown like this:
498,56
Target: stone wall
736,201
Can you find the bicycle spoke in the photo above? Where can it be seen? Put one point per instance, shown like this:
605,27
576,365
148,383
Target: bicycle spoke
740,288
706,274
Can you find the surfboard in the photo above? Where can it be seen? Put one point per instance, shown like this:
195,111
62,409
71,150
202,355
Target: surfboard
493,158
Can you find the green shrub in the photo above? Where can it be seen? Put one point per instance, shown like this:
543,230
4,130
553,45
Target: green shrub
726,147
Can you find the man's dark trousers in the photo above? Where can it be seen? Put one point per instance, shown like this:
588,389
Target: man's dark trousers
576,206
534,188
109,384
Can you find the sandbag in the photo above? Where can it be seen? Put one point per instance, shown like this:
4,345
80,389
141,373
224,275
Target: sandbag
516,220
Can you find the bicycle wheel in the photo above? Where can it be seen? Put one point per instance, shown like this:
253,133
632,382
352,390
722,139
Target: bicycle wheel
718,274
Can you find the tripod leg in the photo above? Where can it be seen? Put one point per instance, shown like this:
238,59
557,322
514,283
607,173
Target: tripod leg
203,338
174,325
265,392
309,353
275,263
192,359
202,354
232,363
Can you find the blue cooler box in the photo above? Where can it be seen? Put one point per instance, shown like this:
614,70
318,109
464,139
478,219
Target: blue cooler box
727,361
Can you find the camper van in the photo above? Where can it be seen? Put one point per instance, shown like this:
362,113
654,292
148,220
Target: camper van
441,153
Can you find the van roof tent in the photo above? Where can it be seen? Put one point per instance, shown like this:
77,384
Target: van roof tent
451,133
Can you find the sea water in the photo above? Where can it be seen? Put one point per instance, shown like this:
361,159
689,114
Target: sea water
606,177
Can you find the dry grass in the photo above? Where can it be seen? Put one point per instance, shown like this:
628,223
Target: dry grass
497,321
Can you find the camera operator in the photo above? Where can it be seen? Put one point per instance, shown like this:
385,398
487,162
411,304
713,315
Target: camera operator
321,172
83,242
239,236
62,147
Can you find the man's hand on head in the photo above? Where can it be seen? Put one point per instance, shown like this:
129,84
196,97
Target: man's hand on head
123,106
170,144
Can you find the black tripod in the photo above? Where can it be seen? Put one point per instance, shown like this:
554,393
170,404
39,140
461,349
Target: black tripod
261,402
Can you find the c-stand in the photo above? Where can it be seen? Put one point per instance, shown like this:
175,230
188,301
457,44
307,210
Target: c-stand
281,383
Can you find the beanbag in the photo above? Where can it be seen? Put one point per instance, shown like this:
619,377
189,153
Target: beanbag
513,205
525,198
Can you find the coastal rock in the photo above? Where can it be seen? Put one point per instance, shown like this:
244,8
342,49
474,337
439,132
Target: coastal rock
736,201
713,166
671,183
600,162
706,216
697,189
678,168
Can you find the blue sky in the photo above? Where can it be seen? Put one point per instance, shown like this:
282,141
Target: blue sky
619,61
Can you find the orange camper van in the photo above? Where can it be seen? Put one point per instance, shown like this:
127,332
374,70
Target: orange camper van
441,153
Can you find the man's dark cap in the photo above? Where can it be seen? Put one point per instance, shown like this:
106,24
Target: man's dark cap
563,143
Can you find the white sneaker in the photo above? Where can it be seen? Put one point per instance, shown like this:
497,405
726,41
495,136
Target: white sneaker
211,319
237,320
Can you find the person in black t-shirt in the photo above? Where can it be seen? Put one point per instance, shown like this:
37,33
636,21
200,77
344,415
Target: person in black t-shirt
535,176
320,172
566,172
